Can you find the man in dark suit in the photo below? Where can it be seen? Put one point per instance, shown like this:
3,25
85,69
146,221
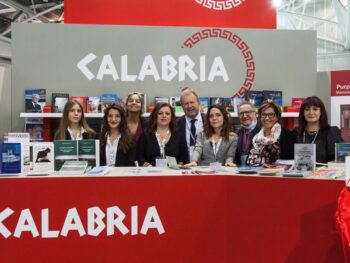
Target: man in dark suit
191,124
33,105
249,128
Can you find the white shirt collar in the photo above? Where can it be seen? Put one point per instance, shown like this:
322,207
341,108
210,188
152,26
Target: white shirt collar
79,135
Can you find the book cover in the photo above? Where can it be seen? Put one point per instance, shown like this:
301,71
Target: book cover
89,150
216,101
255,97
176,104
345,122
341,151
10,159
108,99
24,139
305,157
273,95
161,100
228,103
81,100
43,157
35,131
93,104
59,100
73,168
35,100
236,103
204,104
65,150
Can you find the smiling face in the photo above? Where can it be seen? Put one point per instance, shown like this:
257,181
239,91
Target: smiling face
113,119
134,103
312,114
190,104
246,114
216,119
75,114
164,116
268,118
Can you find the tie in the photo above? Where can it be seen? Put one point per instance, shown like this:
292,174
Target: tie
246,142
193,133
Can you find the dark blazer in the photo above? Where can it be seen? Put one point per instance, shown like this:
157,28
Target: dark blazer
85,136
325,140
239,150
123,158
181,125
148,148
287,140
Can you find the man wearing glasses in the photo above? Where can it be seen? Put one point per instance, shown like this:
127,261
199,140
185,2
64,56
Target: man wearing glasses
249,128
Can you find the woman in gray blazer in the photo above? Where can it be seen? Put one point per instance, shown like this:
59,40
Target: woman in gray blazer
217,143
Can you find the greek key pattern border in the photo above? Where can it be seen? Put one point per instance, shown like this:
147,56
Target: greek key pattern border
236,41
220,5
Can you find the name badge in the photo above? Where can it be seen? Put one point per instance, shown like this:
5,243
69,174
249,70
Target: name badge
161,162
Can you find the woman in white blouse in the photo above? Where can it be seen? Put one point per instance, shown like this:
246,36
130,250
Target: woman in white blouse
117,145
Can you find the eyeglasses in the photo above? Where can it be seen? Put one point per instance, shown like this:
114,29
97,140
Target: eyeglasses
241,114
269,115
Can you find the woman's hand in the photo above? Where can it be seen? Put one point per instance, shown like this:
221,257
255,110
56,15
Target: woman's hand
230,164
191,164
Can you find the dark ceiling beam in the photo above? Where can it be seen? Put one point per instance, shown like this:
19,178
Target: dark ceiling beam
23,8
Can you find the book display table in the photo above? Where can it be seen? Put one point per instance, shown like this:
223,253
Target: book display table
163,215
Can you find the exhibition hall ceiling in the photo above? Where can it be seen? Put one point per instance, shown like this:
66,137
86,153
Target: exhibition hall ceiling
330,18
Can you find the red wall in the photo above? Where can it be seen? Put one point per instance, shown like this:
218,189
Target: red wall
246,13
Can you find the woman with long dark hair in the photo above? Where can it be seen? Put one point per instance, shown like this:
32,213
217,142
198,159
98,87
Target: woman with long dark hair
117,146
217,143
314,128
134,106
73,125
161,138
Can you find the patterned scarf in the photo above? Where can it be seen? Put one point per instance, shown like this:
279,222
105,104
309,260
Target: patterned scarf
265,149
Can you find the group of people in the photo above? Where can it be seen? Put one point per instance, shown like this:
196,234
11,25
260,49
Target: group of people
128,139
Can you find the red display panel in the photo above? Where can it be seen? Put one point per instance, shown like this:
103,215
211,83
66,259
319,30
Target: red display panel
201,13
204,218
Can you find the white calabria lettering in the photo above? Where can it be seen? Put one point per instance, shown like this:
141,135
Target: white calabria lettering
110,222
184,68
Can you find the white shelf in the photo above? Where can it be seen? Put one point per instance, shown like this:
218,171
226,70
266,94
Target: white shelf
100,115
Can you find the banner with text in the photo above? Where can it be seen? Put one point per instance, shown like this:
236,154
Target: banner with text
340,102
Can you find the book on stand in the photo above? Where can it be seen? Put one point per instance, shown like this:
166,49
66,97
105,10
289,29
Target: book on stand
216,101
161,100
305,157
236,103
81,100
204,104
71,150
342,150
228,103
108,99
43,158
24,139
176,104
10,158
93,104
58,102
34,126
274,95
35,100
255,97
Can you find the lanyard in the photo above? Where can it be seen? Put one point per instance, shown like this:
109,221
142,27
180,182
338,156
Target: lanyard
161,143
216,147
313,140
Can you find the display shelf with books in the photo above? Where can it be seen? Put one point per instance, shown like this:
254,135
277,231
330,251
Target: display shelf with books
146,114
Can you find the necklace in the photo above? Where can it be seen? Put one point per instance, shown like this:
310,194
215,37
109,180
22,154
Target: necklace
314,133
